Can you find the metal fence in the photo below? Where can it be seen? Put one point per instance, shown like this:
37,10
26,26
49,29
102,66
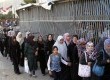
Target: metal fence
86,18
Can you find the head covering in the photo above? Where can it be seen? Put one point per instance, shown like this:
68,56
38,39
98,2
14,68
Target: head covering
106,43
27,34
82,41
89,44
30,40
19,39
59,38
13,42
65,35
100,45
62,48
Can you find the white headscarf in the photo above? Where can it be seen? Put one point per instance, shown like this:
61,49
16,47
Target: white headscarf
19,39
62,48
27,34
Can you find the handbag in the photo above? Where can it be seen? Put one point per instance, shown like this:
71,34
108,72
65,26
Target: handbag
26,67
98,70
84,70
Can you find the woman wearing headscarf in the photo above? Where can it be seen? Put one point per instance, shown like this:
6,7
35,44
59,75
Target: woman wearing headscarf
26,36
105,52
73,53
88,57
65,67
48,46
81,46
67,38
41,54
20,39
30,51
14,48
100,45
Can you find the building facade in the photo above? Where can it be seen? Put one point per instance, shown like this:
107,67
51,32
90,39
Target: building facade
83,17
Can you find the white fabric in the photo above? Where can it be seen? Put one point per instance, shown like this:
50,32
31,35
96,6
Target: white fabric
44,3
62,48
46,6
26,67
19,39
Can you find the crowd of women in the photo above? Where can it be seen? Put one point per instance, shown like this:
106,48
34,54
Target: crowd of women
67,58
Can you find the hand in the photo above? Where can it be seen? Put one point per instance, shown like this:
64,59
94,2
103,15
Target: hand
89,63
25,58
69,63
50,73
108,61
36,53
47,52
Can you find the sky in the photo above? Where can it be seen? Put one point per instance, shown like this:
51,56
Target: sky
14,3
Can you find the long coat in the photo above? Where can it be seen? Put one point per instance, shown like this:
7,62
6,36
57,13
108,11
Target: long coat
41,54
48,48
73,54
15,48
30,54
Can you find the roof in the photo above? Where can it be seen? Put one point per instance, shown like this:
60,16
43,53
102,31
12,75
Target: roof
27,5
39,4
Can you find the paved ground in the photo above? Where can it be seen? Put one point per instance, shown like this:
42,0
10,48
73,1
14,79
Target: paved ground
6,72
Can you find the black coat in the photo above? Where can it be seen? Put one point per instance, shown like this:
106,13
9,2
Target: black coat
102,62
15,51
41,55
48,46
73,54
41,51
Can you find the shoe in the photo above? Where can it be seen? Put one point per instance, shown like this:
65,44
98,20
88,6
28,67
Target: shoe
18,73
34,76
30,75
43,74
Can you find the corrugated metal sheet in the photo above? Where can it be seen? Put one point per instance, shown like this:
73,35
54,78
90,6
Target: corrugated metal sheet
82,17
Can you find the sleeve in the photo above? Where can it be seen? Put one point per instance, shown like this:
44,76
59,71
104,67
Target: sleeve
48,64
25,49
100,60
64,62
75,54
18,47
69,52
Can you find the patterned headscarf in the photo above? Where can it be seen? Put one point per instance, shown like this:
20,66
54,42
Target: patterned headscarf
106,43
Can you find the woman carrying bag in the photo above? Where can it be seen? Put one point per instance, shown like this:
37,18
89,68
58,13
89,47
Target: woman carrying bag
103,63
86,61
30,51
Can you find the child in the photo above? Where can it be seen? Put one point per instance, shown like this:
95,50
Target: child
54,64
